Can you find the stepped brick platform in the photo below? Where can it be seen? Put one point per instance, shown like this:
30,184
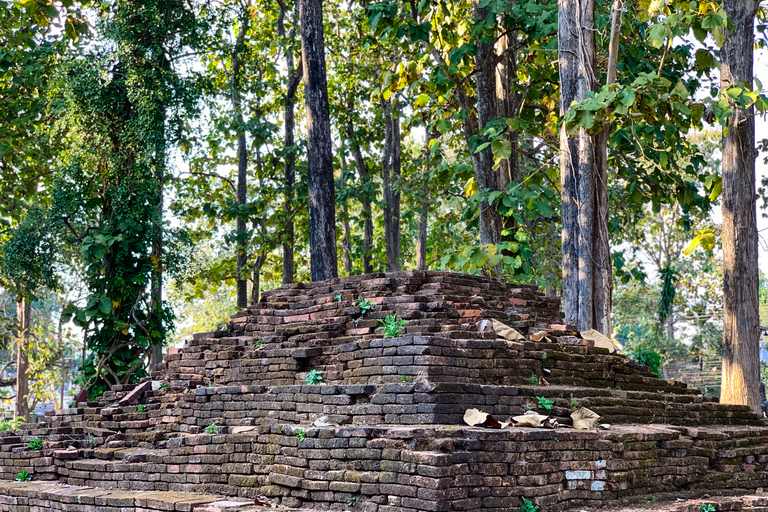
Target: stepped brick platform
384,430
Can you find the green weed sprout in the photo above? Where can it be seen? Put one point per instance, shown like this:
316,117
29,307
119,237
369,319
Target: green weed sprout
393,327
528,506
544,403
301,434
364,305
23,476
35,444
313,378
213,428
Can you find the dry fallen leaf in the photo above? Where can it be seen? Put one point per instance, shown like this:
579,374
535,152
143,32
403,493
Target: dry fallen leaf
584,419
538,336
543,382
324,421
530,419
476,418
506,332
601,340
264,501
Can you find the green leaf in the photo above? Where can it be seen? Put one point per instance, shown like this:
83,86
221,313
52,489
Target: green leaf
105,305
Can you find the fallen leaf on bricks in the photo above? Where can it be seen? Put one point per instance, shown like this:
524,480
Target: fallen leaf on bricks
324,421
530,420
543,382
604,426
475,418
584,419
601,340
538,336
506,331
264,501
484,326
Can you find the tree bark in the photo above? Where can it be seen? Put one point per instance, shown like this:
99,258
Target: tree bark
578,176
289,182
322,208
421,241
242,164
365,199
346,239
391,184
603,262
741,321
487,179
23,315
507,104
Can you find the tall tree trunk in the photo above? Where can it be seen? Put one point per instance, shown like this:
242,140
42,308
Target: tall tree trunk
365,198
391,185
487,179
741,320
289,182
322,208
156,291
421,241
346,240
242,164
603,262
507,104
576,41
23,315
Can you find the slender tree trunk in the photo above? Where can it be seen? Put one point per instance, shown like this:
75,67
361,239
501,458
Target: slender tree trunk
258,263
322,211
365,199
156,291
741,320
294,78
23,315
507,104
487,179
576,41
603,261
421,241
346,241
391,185
242,165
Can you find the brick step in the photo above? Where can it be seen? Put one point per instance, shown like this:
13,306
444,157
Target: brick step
748,503
49,497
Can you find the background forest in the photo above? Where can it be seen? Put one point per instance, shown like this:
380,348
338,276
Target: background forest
154,164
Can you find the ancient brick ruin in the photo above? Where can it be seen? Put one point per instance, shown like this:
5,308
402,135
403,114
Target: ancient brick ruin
383,432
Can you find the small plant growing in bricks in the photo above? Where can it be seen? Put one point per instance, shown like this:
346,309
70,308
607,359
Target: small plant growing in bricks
544,403
364,305
393,327
301,434
575,404
35,444
337,298
707,507
23,476
533,379
164,385
313,378
212,429
404,378
258,343
528,506
141,408
352,500
543,356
